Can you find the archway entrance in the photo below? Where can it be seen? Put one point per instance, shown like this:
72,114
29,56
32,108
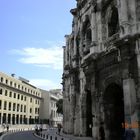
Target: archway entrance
89,113
114,111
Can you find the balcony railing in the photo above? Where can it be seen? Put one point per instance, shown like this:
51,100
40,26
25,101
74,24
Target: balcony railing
111,40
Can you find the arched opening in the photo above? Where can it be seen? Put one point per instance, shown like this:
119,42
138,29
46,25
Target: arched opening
114,111
113,24
88,113
86,35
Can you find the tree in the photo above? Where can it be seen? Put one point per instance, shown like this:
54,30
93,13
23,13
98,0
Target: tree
59,106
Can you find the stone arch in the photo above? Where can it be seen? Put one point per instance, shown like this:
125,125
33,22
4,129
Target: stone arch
86,29
111,79
113,102
113,21
86,113
86,34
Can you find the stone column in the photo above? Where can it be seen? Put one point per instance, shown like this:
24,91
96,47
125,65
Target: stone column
129,100
124,11
93,25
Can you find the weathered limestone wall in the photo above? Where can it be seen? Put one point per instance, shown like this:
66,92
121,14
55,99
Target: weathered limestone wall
101,49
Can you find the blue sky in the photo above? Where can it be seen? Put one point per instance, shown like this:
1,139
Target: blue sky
31,39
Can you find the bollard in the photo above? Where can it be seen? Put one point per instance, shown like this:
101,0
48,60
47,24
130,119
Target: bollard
55,138
50,137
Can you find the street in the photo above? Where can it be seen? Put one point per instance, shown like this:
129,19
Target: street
50,134
27,135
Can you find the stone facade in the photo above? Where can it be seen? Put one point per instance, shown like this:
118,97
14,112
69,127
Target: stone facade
101,81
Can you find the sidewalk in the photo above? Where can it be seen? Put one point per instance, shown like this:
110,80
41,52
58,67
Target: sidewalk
53,133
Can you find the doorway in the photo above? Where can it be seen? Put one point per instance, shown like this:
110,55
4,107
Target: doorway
114,111
89,113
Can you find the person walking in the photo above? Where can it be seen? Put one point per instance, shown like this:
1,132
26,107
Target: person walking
7,126
59,128
129,134
101,131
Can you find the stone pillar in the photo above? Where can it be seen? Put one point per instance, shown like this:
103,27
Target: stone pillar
129,99
83,115
124,11
137,50
93,24
75,45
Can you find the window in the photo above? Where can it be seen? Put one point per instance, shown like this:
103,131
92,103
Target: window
5,105
25,98
9,105
15,85
11,83
1,79
0,104
35,110
6,81
113,24
18,96
30,110
14,106
18,86
21,107
18,107
14,95
1,91
24,108
21,97
5,92
10,94
30,99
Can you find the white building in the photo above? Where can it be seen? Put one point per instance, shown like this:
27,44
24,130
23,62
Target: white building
48,112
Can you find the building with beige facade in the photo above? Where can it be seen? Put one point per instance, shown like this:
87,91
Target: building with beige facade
19,100
48,112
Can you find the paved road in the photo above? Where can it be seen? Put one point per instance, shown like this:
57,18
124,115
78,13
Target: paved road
28,135
21,136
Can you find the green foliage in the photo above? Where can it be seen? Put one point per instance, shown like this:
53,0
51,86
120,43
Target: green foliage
59,105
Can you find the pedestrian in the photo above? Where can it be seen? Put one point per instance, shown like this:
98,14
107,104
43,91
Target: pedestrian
101,131
59,128
41,128
129,134
7,126
36,129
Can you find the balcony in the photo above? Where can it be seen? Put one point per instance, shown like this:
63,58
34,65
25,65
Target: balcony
110,41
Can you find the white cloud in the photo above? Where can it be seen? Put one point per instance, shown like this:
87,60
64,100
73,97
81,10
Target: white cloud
45,84
43,57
